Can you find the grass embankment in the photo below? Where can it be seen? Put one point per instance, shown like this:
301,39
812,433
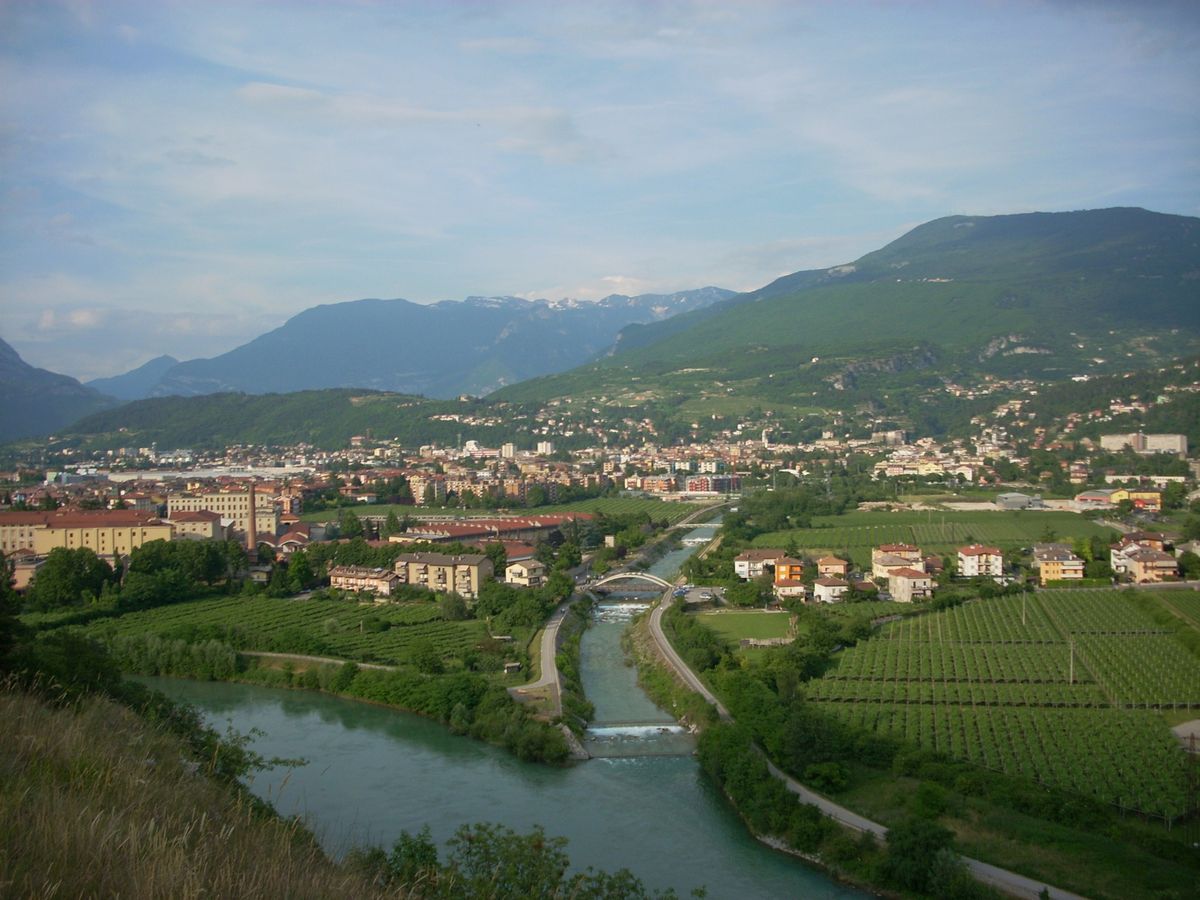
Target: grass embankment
96,802
577,710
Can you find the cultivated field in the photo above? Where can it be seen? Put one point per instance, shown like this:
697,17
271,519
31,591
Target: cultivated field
313,627
935,532
1064,687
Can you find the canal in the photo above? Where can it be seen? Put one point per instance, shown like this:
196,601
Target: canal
643,804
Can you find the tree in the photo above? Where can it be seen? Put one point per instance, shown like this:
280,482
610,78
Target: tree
913,848
453,607
67,577
496,553
1189,564
349,525
392,525
300,572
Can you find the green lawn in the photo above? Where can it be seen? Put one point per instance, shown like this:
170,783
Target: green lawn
748,624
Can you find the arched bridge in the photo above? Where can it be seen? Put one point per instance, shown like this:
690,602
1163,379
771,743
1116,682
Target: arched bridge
625,576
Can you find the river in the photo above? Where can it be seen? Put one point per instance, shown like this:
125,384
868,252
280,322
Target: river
372,772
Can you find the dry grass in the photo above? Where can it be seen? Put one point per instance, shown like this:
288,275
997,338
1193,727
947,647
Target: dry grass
96,803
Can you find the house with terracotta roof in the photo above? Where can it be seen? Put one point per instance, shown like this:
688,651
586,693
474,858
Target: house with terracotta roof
894,556
752,563
831,566
790,589
788,568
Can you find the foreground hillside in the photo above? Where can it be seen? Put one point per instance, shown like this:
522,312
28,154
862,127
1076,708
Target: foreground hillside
95,801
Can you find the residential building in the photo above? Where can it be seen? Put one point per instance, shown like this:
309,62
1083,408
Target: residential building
527,573
1141,556
1146,443
894,556
1056,562
978,560
829,590
832,567
752,563
788,569
790,589
443,573
908,584
380,582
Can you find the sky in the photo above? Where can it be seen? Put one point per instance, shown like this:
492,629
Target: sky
179,177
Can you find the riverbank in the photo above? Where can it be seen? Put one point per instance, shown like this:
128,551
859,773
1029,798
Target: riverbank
467,703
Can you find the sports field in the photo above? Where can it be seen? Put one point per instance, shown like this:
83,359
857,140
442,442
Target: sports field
735,625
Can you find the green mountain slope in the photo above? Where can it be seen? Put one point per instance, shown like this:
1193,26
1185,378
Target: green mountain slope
324,419
1040,294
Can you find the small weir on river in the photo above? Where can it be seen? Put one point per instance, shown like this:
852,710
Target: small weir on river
626,723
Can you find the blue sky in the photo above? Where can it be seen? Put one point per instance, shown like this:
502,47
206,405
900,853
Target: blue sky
177,177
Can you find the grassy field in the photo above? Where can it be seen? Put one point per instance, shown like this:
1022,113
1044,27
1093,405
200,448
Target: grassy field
935,532
750,624
312,627
612,506
1067,688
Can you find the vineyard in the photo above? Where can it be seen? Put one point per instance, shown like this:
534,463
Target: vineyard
1060,686
935,532
387,633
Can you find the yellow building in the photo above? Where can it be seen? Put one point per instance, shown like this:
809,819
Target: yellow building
112,534
233,505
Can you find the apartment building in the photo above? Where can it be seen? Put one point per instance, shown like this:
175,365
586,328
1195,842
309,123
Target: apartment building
444,573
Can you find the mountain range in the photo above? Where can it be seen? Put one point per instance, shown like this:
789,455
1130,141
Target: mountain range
1042,296
1038,295
438,350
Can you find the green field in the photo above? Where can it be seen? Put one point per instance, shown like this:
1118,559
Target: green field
610,506
1064,687
935,532
734,626
311,627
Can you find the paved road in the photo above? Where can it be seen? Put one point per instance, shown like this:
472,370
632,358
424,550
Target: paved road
548,653
1009,882
317,659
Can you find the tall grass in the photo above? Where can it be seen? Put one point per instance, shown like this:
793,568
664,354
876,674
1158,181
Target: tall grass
95,802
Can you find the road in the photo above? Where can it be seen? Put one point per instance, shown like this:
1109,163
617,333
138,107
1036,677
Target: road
1011,883
316,659
548,651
